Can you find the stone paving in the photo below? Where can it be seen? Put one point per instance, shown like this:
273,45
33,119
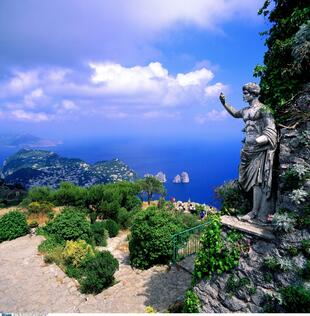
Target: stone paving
27,284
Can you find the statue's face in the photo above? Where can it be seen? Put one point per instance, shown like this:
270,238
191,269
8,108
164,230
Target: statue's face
247,96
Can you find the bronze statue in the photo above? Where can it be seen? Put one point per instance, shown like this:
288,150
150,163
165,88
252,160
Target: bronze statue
257,154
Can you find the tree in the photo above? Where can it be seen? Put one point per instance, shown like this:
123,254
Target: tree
149,186
284,72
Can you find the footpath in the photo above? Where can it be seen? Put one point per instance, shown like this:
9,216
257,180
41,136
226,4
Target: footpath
28,285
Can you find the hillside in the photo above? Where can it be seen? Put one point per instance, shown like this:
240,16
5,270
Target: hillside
40,167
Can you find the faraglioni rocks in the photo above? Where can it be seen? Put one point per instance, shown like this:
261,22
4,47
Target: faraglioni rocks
177,179
160,176
183,178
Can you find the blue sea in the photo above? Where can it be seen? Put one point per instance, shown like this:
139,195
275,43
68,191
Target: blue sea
208,163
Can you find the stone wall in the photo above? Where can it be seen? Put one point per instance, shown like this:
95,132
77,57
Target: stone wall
251,285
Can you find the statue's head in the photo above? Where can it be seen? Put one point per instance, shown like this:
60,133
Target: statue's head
251,91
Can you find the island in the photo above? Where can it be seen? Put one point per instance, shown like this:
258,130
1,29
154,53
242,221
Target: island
30,168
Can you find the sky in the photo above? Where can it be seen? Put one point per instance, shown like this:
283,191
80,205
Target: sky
140,68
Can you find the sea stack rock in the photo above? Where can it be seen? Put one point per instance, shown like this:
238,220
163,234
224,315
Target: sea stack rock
184,177
177,179
161,177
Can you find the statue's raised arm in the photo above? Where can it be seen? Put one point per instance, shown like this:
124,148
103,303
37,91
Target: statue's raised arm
230,109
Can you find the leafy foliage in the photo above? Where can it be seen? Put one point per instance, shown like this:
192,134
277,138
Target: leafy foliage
70,224
69,194
76,251
99,233
296,299
39,194
13,225
112,227
40,207
151,237
216,255
191,302
233,199
295,177
286,62
149,186
283,222
98,273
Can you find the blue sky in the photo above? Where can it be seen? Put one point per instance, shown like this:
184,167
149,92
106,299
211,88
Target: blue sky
79,68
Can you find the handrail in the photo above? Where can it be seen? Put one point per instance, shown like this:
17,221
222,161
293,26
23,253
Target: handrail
176,239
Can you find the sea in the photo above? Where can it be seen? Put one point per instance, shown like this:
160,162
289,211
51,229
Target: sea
208,163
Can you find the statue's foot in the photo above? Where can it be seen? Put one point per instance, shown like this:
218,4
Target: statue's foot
248,217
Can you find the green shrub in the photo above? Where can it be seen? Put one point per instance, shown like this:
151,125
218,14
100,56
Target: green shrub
191,302
40,207
99,233
13,225
188,220
125,218
112,227
39,194
76,251
296,299
98,273
233,199
49,244
216,255
69,194
70,224
306,271
151,237
295,177
55,255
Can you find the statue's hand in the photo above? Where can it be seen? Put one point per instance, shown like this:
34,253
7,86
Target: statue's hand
222,98
262,140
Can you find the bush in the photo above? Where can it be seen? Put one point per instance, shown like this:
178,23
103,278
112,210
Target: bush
70,224
151,237
39,194
191,302
76,251
112,227
98,273
216,255
49,245
100,234
40,207
283,222
13,225
69,194
296,299
125,218
234,201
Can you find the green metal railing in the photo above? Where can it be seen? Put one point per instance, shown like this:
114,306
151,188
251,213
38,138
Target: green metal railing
186,242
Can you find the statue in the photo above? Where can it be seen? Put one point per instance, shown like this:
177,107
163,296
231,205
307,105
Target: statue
257,154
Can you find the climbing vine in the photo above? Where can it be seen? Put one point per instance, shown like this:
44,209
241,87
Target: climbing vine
216,254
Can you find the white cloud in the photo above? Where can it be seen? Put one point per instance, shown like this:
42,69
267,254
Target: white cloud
215,90
22,115
195,78
107,88
22,81
69,105
34,96
213,115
